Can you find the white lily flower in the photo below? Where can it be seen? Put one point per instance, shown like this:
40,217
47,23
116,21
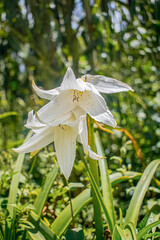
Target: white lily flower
82,92
64,131
63,119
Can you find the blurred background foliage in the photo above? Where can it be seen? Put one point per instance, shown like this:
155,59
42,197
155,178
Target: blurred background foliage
120,39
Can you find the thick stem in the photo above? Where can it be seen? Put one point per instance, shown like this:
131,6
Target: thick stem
94,169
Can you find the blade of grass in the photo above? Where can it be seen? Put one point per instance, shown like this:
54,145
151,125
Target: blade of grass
140,191
64,219
106,185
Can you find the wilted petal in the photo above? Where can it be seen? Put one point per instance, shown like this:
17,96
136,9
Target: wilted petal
46,94
107,85
70,82
37,141
65,145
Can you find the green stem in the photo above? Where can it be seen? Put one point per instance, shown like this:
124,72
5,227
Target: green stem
69,192
94,170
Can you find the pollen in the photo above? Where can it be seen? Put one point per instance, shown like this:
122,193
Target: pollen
77,95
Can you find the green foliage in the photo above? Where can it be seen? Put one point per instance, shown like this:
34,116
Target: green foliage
119,39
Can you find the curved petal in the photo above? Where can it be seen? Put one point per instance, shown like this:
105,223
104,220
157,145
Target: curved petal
65,145
70,82
107,85
106,118
95,106
37,141
33,123
46,94
61,105
84,140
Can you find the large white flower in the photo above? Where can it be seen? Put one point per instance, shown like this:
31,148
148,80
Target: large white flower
82,92
63,119
64,131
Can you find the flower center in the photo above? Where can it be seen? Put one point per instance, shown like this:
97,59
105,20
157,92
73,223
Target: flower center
77,95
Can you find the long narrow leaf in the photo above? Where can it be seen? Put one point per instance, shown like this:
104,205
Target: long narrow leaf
147,228
95,172
99,197
140,191
38,229
64,219
105,181
41,199
13,195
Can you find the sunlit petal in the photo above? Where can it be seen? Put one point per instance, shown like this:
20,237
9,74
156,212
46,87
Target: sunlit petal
107,85
46,94
95,106
65,145
69,81
37,141
61,105
33,123
106,118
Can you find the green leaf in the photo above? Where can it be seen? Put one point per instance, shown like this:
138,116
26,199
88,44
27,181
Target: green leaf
1,235
132,230
140,191
74,185
41,199
99,197
38,229
147,228
154,211
74,234
8,114
120,234
118,177
95,173
151,235
10,221
64,219
105,180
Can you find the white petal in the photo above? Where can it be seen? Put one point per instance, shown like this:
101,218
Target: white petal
95,106
37,141
78,111
62,104
93,155
84,140
33,123
62,119
106,118
107,85
70,82
46,94
65,145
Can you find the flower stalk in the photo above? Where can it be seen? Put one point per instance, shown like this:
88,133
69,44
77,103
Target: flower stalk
70,200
